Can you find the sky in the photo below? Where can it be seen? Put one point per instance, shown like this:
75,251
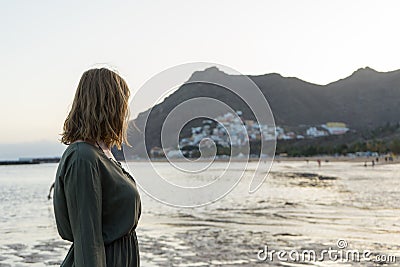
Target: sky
46,46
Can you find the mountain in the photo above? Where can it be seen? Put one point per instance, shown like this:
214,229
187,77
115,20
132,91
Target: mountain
364,100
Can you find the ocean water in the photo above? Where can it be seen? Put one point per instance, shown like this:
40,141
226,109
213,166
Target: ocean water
299,207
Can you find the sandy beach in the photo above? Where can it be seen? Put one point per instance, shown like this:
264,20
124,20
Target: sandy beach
299,206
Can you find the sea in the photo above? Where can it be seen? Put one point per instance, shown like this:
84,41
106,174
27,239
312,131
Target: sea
337,209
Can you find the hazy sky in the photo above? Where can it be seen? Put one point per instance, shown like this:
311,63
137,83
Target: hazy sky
46,45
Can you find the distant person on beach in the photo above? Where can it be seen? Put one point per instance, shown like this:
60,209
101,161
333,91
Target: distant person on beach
51,189
319,162
96,203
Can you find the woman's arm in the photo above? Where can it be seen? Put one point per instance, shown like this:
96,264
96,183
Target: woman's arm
83,192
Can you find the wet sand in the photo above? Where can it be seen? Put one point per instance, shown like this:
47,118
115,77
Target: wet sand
300,206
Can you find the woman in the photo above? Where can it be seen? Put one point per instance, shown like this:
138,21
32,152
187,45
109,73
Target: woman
96,202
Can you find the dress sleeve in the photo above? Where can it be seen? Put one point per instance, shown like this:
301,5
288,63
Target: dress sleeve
83,192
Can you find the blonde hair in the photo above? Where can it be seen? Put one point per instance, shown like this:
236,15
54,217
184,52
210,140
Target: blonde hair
100,110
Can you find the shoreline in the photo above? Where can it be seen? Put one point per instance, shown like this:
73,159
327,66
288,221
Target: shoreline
323,159
25,161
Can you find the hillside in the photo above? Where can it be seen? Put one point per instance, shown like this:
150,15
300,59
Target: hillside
365,100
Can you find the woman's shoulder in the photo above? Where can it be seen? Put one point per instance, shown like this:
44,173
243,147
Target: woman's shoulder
84,150
80,151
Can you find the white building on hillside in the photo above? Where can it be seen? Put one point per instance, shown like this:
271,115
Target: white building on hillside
335,127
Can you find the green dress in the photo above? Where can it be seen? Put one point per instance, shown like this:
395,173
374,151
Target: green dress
97,207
